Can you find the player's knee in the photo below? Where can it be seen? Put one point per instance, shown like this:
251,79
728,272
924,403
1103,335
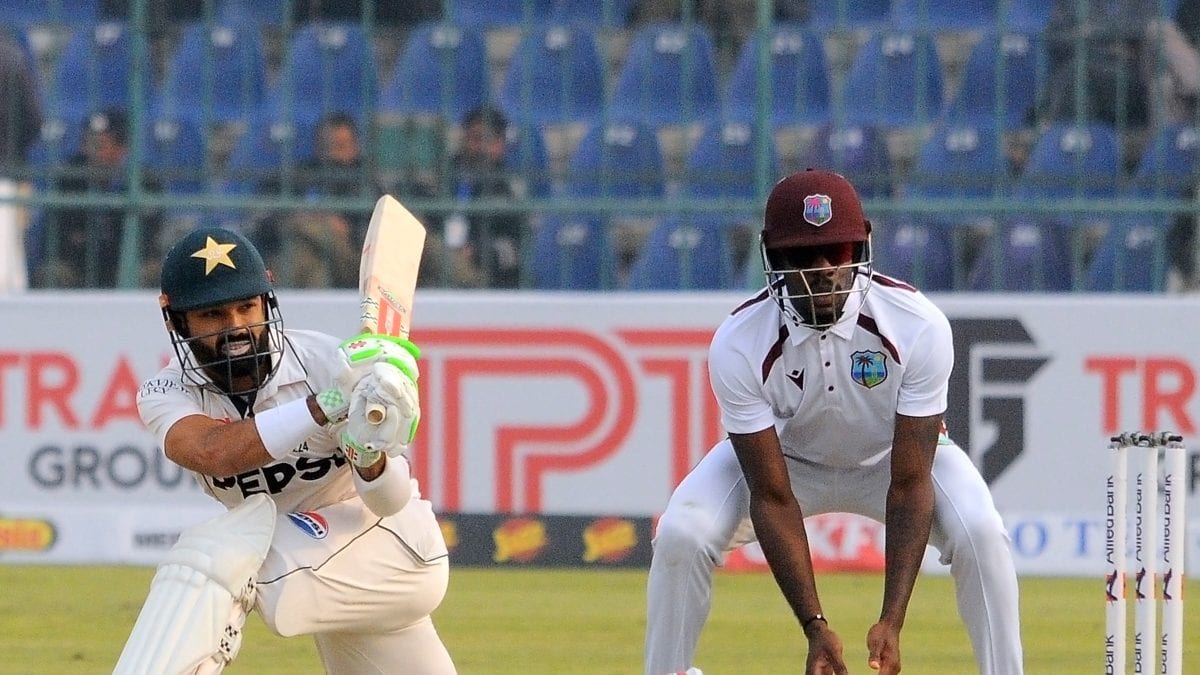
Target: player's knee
975,533
683,531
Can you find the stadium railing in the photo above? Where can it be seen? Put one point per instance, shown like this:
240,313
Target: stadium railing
1001,179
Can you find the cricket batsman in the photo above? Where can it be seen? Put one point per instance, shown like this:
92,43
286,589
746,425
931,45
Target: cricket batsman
326,533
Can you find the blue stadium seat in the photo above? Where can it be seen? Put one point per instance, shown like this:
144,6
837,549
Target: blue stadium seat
555,76
919,252
858,152
221,66
1021,60
894,81
497,13
574,250
593,13
528,158
571,252
1026,16
175,154
693,250
328,67
1170,162
95,71
799,75
955,162
442,70
58,141
270,142
669,77
1026,255
257,162
944,15
616,160
26,13
959,160
1072,161
687,252
1132,256
850,14
724,160
1046,252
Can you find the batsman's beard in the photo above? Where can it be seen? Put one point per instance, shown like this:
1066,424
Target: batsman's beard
239,361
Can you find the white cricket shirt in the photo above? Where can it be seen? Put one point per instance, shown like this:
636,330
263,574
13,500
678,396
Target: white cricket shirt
833,395
318,477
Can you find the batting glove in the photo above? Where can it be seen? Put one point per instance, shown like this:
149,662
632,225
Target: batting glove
391,389
355,358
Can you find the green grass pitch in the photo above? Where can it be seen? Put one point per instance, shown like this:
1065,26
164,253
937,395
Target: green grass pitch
58,619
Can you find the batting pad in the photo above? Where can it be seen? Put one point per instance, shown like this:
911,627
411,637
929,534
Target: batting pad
193,616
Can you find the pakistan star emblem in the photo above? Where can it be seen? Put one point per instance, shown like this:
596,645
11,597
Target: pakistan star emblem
214,254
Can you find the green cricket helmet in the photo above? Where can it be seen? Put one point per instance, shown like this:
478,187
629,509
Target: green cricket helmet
210,267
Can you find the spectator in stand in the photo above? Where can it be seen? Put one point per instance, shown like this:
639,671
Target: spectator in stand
1149,62
471,249
1177,84
1141,71
319,247
20,119
1177,89
81,246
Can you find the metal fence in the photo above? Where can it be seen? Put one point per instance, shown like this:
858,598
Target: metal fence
999,145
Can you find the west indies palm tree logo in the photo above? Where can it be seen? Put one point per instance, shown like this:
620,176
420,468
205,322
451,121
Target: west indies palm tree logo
868,368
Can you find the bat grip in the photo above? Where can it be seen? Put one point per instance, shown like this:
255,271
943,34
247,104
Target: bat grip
376,413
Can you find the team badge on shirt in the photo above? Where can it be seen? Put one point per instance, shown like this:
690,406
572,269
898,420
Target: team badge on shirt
818,209
310,523
868,368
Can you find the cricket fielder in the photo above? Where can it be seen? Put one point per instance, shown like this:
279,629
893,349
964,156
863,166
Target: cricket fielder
832,383
326,532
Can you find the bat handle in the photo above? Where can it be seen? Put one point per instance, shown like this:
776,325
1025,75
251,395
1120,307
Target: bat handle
376,413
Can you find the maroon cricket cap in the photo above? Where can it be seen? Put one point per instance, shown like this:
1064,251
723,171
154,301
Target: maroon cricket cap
813,208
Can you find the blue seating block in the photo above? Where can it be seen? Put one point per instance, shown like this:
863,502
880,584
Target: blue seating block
669,77
442,70
799,76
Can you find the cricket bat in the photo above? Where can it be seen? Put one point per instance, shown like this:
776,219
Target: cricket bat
387,274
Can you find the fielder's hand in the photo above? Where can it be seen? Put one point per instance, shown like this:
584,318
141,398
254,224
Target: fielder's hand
392,389
883,646
824,651
355,359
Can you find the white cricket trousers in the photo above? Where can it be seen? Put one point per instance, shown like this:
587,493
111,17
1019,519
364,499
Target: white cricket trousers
708,516
364,590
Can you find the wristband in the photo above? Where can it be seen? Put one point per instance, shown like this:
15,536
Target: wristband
809,621
284,428
390,491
